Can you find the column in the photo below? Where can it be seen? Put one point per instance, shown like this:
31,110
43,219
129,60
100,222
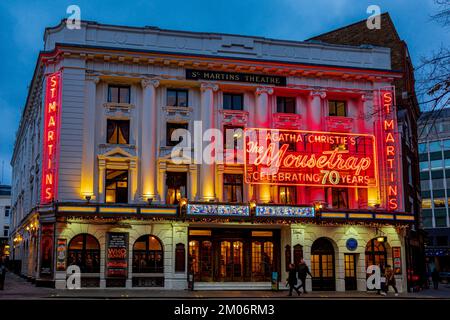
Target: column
220,169
193,182
162,181
262,120
207,170
133,181
315,115
88,158
149,123
101,180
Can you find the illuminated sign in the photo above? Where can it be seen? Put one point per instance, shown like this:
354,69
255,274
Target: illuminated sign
218,210
310,158
52,110
285,211
235,77
389,128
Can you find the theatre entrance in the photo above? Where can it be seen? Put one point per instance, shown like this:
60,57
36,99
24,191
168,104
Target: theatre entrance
234,254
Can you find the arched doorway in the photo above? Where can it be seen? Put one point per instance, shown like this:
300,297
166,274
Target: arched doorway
376,253
148,262
84,251
322,265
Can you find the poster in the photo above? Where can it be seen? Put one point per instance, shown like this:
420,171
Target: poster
117,255
397,260
61,255
46,254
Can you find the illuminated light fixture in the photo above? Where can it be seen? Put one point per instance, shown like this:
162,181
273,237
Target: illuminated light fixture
183,202
252,204
382,239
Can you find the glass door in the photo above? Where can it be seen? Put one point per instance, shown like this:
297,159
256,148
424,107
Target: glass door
350,271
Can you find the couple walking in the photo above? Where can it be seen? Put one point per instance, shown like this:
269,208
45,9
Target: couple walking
301,271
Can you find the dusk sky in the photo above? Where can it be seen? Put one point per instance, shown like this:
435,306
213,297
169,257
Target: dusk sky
23,24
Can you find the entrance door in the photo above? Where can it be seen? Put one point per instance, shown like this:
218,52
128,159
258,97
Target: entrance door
322,265
231,265
350,271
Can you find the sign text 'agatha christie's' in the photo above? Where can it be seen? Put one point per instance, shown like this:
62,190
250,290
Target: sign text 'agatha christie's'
235,77
52,109
310,158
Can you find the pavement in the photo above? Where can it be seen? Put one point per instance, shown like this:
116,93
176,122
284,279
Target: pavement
19,288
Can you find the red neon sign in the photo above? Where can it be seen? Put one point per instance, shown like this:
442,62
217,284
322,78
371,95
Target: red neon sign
389,128
52,108
310,158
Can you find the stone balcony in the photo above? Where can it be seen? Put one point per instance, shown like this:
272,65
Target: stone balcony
176,113
339,124
234,117
287,120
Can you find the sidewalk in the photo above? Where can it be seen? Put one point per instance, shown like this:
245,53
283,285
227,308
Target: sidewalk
18,288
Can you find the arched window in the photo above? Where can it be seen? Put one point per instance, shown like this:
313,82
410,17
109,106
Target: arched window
148,255
376,253
84,251
322,265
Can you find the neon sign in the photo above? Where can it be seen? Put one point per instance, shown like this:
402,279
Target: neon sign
218,210
52,106
310,158
285,211
389,128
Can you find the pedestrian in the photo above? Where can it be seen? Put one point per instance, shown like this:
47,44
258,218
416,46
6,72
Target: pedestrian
435,278
390,281
292,279
2,274
302,271
382,281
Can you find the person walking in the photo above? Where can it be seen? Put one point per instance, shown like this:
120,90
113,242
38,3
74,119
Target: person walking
302,271
292,279
2,274
390,281
435,279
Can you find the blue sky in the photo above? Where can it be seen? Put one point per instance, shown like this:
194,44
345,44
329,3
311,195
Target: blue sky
23,24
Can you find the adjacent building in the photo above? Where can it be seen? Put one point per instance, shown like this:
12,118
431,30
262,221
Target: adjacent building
434,148
147,157
407,116
5,216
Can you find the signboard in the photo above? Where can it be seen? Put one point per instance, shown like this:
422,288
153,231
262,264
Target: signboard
193,74
390,146
218,210
46,253
351,244
117,255
397,259
310,158
285,211
52,111
61,255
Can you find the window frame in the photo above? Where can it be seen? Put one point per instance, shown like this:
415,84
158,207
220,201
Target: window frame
234,187
177,91
117,121
335,103
232,106
181,125
282,100
116,186
118,86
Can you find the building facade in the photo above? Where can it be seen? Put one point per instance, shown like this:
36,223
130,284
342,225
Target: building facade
5,212
434,129
407,116
147,155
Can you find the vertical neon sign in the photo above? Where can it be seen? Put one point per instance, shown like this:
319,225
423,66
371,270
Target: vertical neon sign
52,106
389,129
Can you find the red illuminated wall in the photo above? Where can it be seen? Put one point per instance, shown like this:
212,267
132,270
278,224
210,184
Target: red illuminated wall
52,111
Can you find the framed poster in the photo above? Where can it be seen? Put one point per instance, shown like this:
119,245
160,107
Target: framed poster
46,254
61,255
397,260
117,255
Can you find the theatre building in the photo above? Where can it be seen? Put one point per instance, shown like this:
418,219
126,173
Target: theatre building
150,157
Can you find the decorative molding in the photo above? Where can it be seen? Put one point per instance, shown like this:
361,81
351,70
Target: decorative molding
209,86
339,124
322,94
234,117
149,82
261,90
178,113
287,120
118,109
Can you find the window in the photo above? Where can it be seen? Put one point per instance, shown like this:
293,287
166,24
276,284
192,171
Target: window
427,218
439,203
117,186
436,164
233,137
177,98
340,197
180,257
84,251
426,203
148,255
337,108
5,231
424,166
232,187
118,131
440,217
7,211
447,144
176,183
286,194
286,104
119,94
232,101
435,146
170,128
423,147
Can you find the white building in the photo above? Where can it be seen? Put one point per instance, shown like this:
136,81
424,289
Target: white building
113,200
5,219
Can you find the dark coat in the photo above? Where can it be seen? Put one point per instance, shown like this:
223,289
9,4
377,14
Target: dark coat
292,278
303,271
435,276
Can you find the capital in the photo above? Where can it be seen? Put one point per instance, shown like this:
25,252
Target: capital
318,93
209,86
261,90
93,78
149,82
